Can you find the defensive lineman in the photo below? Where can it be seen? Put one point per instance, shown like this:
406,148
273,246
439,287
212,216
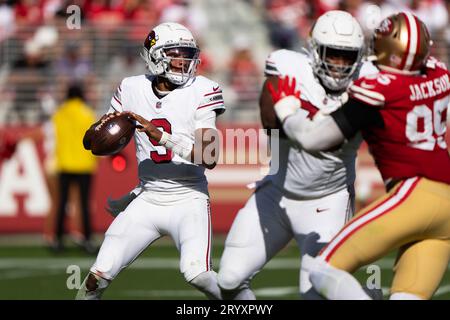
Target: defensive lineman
402,113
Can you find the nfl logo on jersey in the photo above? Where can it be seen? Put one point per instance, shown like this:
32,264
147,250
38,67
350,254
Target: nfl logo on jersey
158,105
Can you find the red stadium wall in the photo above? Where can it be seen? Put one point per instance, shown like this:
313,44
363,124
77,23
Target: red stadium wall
27,193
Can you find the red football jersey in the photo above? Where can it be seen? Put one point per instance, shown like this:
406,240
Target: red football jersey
414,109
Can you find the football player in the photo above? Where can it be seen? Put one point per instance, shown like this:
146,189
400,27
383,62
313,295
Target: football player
307,196
401,112
175,112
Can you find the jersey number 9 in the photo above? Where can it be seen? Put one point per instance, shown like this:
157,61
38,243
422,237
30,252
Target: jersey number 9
164,156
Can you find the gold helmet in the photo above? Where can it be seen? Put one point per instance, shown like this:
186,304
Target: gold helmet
401,43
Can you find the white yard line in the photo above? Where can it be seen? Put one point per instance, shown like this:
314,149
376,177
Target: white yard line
145,263
28,273
275,291
140,263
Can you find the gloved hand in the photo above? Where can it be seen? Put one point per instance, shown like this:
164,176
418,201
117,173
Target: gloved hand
286,98
117,206
286,87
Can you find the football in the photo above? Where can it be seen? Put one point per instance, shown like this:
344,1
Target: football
113,135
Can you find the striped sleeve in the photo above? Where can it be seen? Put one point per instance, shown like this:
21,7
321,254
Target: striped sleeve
270,68
212,99
116,100
367,91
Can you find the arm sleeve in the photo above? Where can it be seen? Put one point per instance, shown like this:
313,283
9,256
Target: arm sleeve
327,131
321,133
355,115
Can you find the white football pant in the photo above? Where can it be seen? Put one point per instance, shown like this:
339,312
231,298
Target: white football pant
268,222
188,223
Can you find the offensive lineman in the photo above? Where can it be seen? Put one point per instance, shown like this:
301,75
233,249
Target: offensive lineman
306,196
175,110
402,114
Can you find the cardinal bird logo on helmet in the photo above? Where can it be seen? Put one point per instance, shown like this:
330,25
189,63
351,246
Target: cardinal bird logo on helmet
151,39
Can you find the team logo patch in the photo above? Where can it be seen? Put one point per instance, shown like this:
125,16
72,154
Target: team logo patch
151,39
385,27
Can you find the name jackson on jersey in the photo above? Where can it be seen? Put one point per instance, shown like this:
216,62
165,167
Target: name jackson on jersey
430,88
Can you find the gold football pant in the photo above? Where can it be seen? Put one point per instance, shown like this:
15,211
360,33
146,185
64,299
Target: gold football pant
415,217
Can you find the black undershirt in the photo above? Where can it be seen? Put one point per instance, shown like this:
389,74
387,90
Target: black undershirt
355,115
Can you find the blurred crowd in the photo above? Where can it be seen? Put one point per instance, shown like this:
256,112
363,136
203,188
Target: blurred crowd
289,21
45,45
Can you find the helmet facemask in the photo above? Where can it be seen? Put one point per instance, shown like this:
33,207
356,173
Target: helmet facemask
180,63
335,65
177,62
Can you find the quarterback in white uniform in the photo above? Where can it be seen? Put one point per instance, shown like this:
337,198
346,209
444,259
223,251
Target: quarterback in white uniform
306,196
174,110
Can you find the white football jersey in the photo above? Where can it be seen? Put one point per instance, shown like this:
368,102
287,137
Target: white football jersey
165,175
301,174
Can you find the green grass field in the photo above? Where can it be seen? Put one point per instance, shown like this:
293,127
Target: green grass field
30,271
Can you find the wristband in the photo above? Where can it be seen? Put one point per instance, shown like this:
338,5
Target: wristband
286,107
177,144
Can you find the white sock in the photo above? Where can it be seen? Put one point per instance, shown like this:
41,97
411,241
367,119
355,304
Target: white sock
332,283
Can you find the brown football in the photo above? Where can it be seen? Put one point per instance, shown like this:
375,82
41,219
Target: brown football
113,135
